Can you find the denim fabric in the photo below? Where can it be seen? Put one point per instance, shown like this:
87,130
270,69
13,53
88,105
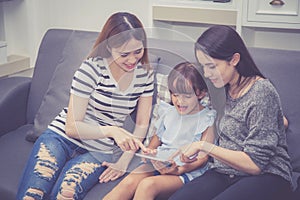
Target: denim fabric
55,161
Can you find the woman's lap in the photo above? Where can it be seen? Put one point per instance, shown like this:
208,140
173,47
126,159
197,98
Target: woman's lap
83,170
205,186
66,160
264,187
213,185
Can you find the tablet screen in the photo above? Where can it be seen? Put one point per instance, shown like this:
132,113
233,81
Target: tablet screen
162,155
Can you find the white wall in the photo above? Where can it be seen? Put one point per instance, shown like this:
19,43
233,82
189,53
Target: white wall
2,33
25,21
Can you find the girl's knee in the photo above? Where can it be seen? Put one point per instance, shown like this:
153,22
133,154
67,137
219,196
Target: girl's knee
124,190
128,182
147,183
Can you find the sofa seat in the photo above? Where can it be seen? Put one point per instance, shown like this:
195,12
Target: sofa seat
14,154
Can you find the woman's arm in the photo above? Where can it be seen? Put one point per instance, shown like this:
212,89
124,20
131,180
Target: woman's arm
141,126
116,170
206,147
285,122
142,121
143,117
78,129
236,159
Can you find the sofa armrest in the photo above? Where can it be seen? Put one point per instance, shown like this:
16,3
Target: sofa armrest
13,102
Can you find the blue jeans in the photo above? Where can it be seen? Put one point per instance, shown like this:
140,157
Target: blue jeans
57,166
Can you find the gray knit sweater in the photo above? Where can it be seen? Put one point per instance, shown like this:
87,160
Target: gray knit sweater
253,123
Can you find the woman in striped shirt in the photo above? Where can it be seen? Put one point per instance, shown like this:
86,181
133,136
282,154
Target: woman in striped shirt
85,142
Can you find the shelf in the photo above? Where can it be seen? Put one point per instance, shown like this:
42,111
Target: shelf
14,64
174,13
262,14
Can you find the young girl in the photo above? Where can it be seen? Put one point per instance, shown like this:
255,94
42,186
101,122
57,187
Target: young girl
108,86
251,161
185,122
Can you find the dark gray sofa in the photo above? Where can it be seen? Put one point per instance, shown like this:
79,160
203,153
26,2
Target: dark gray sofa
27,105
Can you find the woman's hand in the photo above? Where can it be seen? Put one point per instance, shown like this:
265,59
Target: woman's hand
169,167
113,172
147,151
126,141
190,152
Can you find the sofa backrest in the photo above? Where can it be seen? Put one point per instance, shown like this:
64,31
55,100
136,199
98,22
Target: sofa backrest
62,51
60,54
49,53
282,67
170,53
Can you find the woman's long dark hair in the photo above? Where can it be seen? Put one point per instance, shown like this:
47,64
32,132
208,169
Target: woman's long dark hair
221,42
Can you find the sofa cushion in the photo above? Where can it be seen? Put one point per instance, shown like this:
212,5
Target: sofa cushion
49,54
75,51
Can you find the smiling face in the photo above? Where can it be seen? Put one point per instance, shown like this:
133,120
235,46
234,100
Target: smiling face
186,104
127,56
219,72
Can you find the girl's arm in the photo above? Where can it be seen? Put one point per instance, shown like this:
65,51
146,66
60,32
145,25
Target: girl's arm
143,117
154,142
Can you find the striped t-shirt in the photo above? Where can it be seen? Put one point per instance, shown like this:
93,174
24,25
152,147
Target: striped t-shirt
108,106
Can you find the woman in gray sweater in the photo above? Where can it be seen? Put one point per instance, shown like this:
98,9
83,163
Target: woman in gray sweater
251,159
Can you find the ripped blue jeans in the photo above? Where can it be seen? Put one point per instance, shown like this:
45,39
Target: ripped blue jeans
59,169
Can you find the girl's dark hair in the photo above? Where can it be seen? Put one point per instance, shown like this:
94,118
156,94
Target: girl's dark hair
185,78
221,42
118,29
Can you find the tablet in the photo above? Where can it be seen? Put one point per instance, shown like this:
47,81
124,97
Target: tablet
162,155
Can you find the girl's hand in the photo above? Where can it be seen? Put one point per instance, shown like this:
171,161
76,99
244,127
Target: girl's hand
113,172
169,167
126,141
